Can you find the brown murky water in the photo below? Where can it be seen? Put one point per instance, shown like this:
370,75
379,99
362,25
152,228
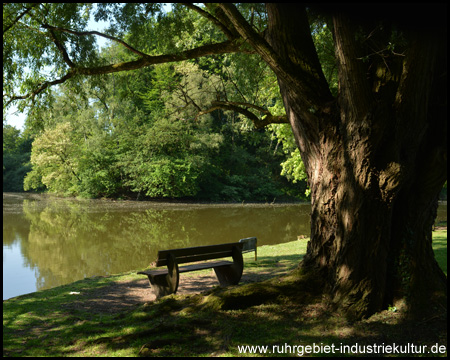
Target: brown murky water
50,241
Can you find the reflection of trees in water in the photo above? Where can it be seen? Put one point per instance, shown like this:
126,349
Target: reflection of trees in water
71,240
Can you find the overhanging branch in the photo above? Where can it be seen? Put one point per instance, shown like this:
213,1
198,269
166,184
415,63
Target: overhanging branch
26,11
211,18
61,48
86,33
144,61
258,42
242,108
40,88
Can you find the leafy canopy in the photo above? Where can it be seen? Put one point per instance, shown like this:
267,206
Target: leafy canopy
50,44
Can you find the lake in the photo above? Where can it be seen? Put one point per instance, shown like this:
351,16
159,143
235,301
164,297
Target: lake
50,241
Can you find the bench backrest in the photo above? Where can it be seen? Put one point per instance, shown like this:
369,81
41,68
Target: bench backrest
198,253
249,244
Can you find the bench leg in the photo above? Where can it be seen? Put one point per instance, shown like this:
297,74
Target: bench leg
231,275
166,284
227,275
162,285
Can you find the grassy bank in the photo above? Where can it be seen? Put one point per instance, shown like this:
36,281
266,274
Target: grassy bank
47,323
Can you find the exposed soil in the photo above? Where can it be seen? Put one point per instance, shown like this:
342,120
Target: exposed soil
440,228
123,295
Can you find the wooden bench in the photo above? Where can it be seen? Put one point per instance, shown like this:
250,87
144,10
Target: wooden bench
165,281
249,245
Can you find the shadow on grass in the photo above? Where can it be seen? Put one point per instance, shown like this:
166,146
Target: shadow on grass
279,317
284,312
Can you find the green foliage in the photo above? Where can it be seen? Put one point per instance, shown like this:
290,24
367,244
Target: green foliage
138,133
16,158
169,178
10,138
97,171
28,49
160,163
54,160
323,41
392,308
293,167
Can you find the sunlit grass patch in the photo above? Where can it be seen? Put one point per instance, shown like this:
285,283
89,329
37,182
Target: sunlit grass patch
440,248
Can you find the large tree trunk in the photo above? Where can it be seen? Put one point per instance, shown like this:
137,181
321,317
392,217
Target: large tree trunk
375,158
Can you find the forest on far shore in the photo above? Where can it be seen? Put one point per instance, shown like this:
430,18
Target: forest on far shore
139,135
154,132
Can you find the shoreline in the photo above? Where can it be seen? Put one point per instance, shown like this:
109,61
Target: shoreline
153,202
168,201
295,250
115,316
186,201
267,267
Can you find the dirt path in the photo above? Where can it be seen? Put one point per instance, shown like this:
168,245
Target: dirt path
122,295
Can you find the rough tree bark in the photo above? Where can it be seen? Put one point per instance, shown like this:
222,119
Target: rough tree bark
374,163
375,157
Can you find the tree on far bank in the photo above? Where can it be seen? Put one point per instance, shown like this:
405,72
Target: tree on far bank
16,158
374,152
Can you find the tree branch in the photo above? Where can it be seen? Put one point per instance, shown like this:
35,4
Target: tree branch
86,33
146,60
241,108
61,48
237,103
41,88
261,46
27,10
211,18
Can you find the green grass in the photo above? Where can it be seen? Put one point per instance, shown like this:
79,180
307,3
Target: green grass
47,323
440,248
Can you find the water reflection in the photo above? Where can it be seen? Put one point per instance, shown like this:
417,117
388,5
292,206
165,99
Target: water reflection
49,242
66,240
